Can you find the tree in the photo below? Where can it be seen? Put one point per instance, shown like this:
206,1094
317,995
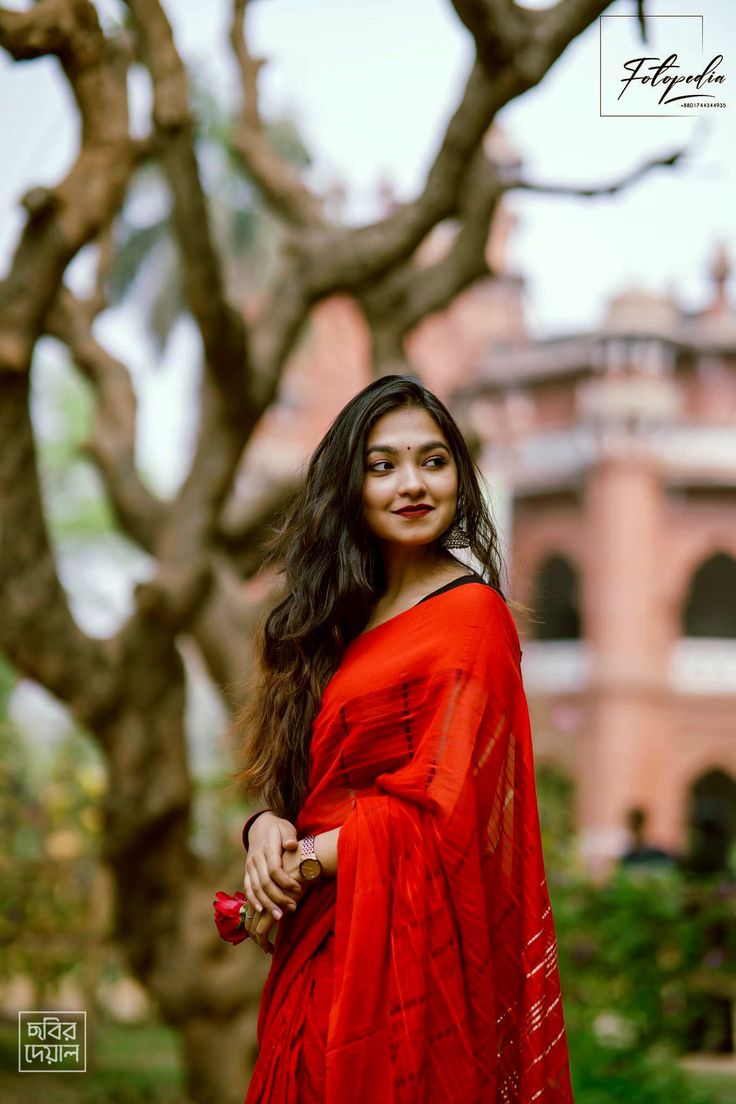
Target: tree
128,691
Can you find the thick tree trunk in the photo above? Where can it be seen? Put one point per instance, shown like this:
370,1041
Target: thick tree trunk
219,1056
204,988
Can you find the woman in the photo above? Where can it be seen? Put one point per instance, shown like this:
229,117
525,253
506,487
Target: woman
400,858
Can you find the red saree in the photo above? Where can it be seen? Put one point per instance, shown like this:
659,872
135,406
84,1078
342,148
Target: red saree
440,982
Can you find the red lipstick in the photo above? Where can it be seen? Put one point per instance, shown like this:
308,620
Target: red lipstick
419,510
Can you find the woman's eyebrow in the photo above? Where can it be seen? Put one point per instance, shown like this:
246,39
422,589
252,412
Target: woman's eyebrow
422,448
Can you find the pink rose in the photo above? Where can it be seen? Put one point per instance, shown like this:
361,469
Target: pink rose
230,916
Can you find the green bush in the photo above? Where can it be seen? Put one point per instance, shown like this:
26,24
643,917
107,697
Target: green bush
648,958
611,1074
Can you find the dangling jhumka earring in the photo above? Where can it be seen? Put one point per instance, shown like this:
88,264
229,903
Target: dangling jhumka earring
457,535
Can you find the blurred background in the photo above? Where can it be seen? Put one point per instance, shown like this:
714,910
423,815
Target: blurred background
218,223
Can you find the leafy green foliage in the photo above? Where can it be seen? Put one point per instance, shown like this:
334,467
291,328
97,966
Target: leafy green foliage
606,1075
647,962
649,957
128,1064
47,866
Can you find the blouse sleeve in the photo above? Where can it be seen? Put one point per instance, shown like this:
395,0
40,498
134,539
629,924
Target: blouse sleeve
446,981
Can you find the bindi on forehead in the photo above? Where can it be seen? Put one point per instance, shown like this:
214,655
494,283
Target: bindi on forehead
427,446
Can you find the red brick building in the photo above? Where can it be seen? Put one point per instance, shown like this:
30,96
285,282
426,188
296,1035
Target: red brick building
611,456
617,453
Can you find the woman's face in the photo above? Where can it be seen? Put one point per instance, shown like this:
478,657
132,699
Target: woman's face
408,462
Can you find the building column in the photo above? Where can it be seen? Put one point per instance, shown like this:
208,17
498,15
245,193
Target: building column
626,703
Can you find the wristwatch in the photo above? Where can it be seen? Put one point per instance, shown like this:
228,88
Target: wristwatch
310,867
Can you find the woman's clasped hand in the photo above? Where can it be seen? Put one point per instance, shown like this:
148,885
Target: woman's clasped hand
272,880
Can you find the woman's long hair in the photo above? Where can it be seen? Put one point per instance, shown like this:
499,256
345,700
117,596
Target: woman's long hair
332,575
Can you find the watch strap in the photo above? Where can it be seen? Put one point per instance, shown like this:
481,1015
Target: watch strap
307,852
307,847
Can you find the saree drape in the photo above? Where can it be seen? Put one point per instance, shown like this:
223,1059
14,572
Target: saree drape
445,984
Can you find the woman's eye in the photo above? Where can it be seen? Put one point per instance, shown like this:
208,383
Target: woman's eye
433,461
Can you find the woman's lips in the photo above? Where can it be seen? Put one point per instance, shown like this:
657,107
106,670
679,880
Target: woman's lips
414,511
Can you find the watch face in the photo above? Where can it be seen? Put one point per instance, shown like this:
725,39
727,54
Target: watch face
310,868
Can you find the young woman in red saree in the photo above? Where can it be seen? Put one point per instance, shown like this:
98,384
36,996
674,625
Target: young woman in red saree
400,859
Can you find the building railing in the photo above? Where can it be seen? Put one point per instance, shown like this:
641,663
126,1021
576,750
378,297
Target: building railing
551,457
555,666
701,665
696,666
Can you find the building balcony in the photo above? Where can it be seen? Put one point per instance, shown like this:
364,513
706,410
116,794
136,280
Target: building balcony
699,665
696,666
555,666
561,457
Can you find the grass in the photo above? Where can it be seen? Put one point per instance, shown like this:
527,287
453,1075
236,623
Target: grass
716,1088
140,1065
130,1065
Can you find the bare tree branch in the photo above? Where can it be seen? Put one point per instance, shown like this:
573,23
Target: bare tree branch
37,632
337,259
395,305
498,28
56,27
350,258
520,184
243,528
276,328
228,410
528,40
398,302
277,180
112,444
321,262
64,218
224,629
222,328
555,28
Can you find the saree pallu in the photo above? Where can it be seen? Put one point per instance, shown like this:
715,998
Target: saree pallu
443,981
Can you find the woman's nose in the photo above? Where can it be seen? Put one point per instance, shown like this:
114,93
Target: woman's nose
411,479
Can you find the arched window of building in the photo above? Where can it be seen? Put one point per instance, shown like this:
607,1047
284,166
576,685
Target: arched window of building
712,821
710,608
556,610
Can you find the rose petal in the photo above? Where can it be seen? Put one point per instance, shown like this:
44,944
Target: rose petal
228,916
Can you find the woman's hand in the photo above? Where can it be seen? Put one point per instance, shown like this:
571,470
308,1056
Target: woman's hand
267,884
258,928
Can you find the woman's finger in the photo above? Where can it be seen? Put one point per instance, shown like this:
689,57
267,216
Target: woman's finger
276,900
259,876
260,927
251,906
254,894
273,846
275,861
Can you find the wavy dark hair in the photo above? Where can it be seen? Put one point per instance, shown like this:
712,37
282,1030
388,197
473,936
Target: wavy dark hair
332,575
